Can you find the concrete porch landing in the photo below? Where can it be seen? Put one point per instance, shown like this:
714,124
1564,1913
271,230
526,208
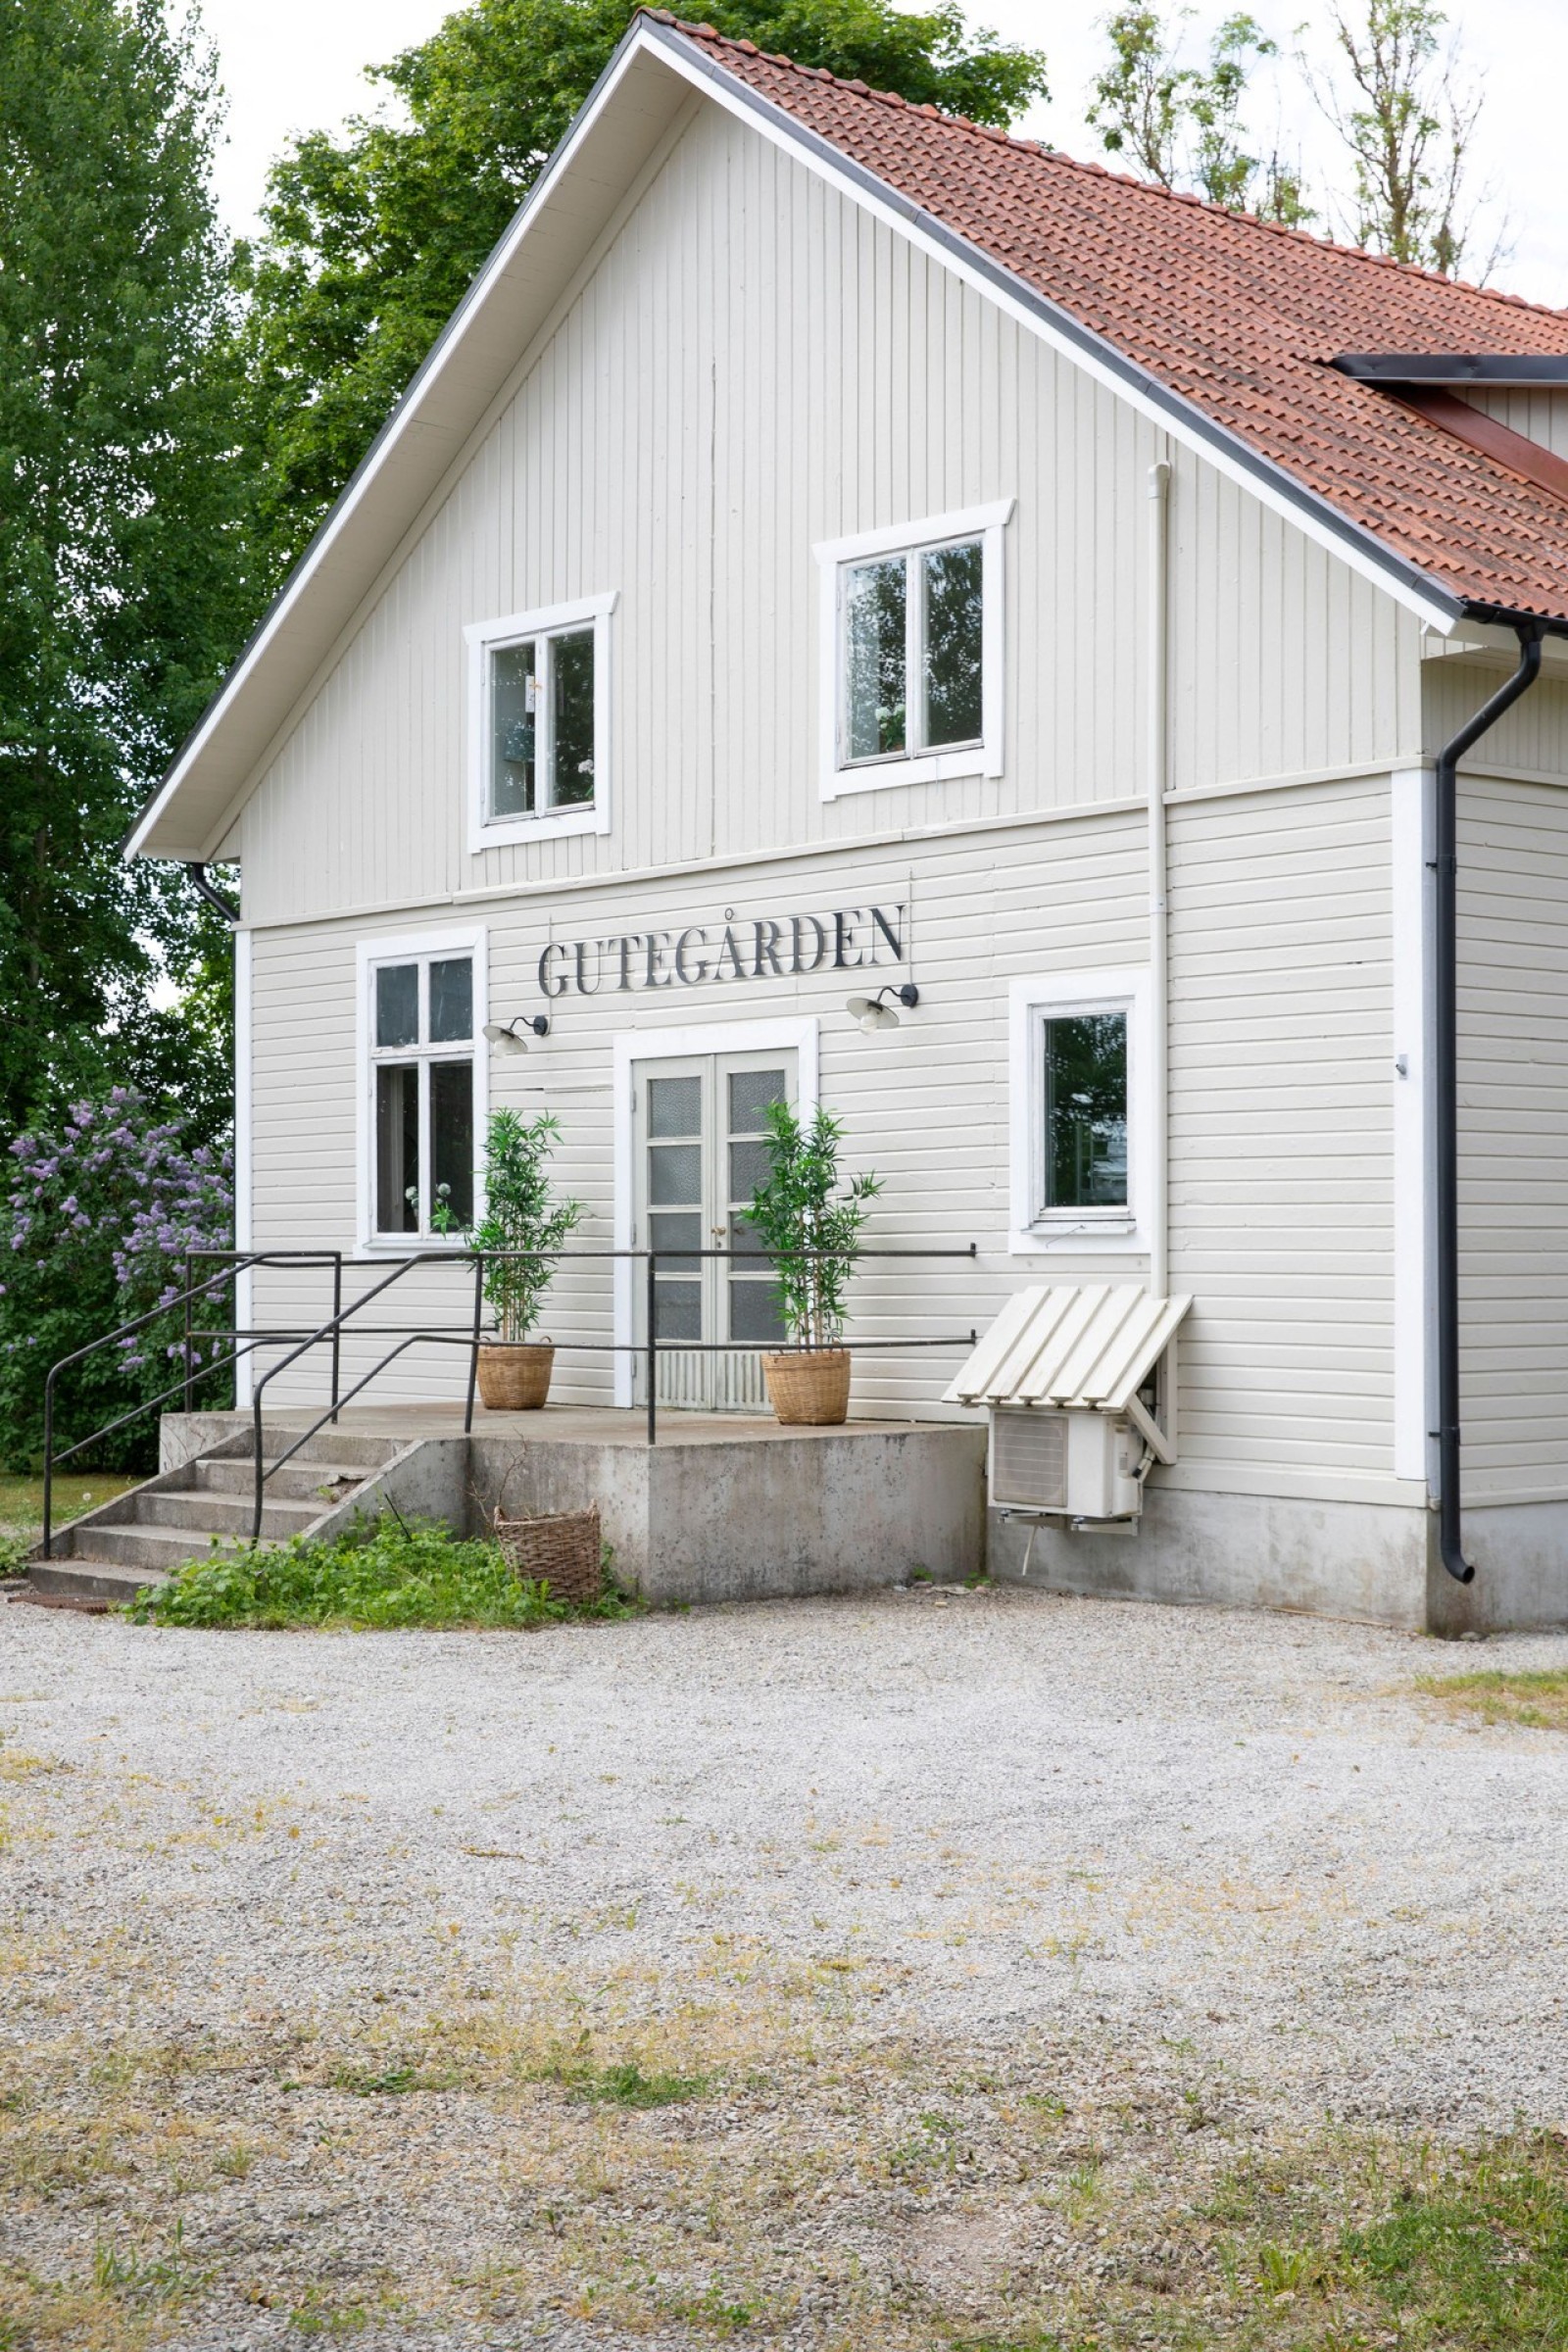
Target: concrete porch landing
723,1507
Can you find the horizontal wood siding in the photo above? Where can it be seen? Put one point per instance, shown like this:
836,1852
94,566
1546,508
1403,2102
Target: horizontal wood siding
1280,1106
1281,1128
749,365
1513,1094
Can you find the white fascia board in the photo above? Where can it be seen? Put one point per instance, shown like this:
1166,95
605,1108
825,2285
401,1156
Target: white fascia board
431,426
1276,488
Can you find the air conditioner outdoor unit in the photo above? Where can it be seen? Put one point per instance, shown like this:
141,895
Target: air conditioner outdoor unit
1080,1385
1086,1465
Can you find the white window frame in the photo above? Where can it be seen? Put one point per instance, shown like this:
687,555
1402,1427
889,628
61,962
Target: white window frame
483,638
835,558
1035,1230
370,955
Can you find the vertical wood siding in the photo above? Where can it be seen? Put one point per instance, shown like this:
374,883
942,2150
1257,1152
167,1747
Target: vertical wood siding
1533,735
1540,416
753,365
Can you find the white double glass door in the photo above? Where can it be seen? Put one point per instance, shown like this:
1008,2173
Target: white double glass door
700,1153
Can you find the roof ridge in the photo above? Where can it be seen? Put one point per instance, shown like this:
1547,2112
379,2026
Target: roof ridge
710,34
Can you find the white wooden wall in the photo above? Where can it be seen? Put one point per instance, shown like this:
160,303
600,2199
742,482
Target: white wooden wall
1513,1096
1281,1102
751,365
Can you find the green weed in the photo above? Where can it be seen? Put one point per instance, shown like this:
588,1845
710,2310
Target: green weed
380,1577
1539,1702
628,2085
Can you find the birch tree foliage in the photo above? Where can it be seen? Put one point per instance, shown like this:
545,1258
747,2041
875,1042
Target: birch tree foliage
1181,124
1406,109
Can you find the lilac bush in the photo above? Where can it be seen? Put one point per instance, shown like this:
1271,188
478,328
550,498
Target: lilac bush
100,1210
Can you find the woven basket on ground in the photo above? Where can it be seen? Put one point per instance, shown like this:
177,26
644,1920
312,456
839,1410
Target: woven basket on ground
561,1548
809,1387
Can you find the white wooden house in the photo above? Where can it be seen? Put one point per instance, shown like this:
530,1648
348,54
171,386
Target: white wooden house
837,549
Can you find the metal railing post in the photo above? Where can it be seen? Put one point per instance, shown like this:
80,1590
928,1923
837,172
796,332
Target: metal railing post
190,1399
337,1323
474,1353
48,1462
653,1354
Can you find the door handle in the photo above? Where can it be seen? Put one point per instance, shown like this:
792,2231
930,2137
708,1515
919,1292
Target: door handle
718,1232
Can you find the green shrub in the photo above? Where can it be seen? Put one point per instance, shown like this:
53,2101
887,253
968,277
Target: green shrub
377,1575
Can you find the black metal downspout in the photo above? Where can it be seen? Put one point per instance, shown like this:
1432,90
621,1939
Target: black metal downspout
1446,942
215,898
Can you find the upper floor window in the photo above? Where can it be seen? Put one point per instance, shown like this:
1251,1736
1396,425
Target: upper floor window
423,1085
912,645
539,723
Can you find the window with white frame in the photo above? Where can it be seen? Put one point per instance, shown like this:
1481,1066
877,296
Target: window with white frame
1079,1121
539,723
911,653
422,1021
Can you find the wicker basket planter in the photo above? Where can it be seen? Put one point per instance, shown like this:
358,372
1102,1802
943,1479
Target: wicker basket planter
561,1549
514,1380
809,1387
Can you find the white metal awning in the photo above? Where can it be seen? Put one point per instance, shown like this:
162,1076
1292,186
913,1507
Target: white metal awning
1087,1347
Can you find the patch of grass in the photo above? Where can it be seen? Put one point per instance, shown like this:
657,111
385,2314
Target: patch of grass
391,2081
377,1576
622,2084
75,1492
1540,1701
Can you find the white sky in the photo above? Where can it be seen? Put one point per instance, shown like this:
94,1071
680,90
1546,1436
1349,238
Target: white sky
296,64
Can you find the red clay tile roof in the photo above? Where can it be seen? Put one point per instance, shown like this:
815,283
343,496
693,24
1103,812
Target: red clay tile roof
1237,316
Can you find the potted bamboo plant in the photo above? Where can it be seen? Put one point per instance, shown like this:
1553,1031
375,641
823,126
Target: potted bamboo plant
809,1219
520,1214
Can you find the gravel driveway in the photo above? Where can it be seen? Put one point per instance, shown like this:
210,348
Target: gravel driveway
1233,1860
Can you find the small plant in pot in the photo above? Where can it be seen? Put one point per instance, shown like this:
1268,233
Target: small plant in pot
809,1218
521,1213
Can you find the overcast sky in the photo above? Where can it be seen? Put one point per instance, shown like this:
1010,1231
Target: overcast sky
296,64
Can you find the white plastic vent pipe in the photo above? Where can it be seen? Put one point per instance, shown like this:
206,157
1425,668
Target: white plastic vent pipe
1157,763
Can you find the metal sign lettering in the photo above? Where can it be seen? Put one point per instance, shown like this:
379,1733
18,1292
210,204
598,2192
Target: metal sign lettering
762,948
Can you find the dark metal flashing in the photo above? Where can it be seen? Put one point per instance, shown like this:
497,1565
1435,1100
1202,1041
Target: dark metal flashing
1446,1095
202,881
1546,370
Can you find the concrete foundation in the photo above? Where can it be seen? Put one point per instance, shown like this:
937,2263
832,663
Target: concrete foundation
1376,1562
720,1510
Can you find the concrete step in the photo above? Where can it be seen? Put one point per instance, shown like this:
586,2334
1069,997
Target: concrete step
89,1580
301,1480
341,1448
207,1514
150,1548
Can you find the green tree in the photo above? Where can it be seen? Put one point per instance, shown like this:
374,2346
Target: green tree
1181,125
370,241
1408,121
121,497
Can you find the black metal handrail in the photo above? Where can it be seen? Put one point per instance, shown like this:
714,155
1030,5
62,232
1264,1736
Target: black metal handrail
331,1332
651,1345
234,1262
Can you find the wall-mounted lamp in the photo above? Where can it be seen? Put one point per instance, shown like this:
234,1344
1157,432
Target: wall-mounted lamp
873,1013
505,1033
